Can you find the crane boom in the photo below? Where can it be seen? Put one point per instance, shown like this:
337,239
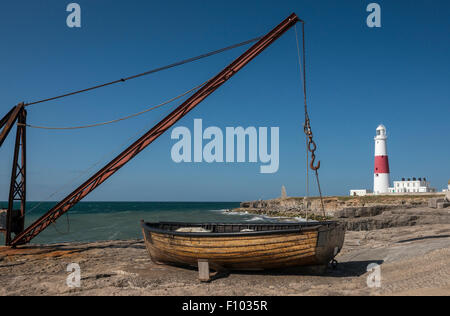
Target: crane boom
128,154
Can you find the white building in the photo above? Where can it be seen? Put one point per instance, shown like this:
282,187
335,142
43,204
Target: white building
360,192
412,186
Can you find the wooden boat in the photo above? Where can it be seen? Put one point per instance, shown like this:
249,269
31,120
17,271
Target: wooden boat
244,246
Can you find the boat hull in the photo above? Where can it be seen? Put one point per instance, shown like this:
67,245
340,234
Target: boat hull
260,247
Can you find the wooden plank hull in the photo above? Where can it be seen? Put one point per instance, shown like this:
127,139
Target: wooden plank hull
265,247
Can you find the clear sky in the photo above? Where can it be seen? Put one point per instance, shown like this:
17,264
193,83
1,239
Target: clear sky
358,77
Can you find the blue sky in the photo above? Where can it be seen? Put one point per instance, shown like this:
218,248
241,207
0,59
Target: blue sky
358,77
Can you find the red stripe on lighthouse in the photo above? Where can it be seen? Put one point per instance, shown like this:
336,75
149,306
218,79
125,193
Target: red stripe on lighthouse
382,164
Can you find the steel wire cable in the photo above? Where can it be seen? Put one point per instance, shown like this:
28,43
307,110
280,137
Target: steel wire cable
311,146
119,119
88,170
176,64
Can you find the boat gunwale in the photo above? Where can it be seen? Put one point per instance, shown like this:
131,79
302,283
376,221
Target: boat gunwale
304,227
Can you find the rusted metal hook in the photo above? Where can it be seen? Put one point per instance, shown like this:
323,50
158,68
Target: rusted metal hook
312,147
313,159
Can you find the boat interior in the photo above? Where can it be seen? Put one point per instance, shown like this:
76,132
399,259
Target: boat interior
211,229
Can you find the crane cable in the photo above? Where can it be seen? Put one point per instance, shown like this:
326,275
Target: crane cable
307,152
119,119
68,226
189,60
311,145
88,170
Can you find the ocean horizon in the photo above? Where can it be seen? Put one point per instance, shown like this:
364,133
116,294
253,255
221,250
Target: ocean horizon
101,221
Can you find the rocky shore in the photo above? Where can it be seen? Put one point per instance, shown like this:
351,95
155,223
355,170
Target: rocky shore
359,213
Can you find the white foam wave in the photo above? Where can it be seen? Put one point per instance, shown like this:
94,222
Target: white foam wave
255,219
221,211
228,212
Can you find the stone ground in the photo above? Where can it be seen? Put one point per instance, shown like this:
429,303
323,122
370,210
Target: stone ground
414,261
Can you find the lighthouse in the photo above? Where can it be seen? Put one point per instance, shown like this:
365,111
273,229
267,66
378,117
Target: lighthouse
382,172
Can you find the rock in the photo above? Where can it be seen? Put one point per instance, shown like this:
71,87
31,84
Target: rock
442,205
368,213
397,219
356,212
433,203
359,206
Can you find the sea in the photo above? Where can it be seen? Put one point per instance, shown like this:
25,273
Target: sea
101,221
